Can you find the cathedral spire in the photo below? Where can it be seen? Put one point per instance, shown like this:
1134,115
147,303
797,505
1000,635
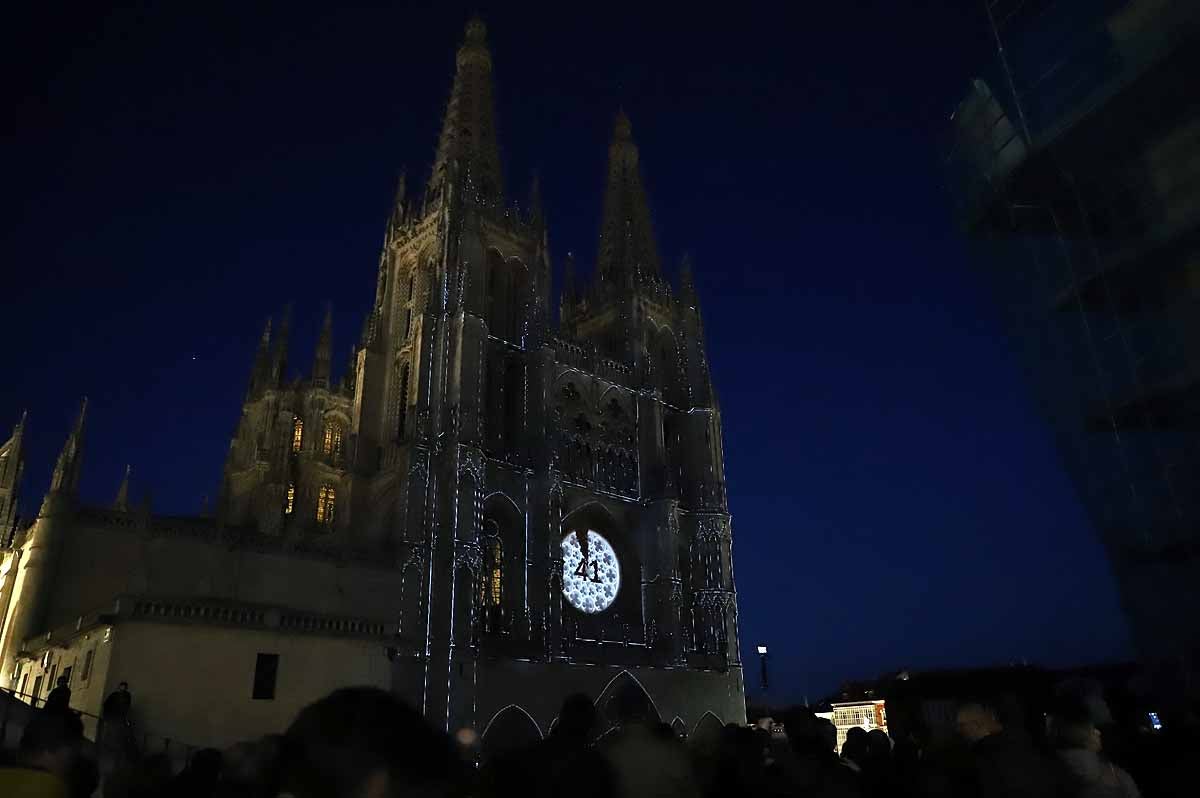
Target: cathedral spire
687,283
349,378
279,357
569,278
536,213
12,467
468,136
324,353
566,302
121,502
399,210
262,362
10,451
627,252
66,470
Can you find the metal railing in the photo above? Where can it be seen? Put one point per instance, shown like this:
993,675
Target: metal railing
108,736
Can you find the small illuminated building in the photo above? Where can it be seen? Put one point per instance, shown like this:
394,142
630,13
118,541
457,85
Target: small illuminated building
867,715
486,512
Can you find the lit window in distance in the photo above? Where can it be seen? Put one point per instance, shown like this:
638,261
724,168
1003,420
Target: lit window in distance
491,584
333,439
325,503
591,581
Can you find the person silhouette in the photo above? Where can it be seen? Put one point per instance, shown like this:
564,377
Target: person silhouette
59,699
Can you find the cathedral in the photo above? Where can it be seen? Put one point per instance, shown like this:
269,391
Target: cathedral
487,512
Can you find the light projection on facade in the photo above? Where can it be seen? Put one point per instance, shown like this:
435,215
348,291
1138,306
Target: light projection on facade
591,573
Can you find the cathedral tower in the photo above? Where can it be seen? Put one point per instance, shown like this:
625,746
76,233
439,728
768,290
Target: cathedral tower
12,468
552,499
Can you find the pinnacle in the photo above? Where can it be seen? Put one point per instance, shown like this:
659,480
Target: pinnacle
624,129
121,502
476,32
321,359
627,253
82,415
467,144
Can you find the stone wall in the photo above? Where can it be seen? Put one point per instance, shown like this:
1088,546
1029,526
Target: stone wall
108,559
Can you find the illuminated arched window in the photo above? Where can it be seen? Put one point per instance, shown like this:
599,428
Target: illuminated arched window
297,433
291,499
333,439
325,504
491,579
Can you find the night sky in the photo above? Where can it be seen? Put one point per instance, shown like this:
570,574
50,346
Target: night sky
179,171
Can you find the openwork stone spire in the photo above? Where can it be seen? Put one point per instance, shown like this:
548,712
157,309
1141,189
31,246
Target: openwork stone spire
324,353
121,502
12,467
66,470
280,353
260,376
399,209
627,252
468,136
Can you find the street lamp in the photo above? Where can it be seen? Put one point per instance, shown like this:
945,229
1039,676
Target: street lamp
762,661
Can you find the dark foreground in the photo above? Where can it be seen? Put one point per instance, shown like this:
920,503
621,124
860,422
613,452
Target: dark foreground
364,742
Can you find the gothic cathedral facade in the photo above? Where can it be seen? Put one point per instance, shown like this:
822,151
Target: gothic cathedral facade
545,502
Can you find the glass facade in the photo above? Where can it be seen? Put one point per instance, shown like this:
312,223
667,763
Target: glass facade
1075,168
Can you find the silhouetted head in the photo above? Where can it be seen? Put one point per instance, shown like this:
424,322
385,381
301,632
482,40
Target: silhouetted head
51,741
826,732
206,764
879,744
1077,734
61,681
1072,725
252,768
856,748
156,769
975,721
577,718
808,734
362,741
123,686
84,776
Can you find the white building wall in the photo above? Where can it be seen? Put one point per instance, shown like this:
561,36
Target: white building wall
193,684
87,684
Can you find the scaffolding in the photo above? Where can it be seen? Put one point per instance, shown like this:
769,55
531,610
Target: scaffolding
1074,165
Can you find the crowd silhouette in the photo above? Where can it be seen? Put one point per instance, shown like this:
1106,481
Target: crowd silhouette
366,743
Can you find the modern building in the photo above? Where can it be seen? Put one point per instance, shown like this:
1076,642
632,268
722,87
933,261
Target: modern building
1075,167
866,715
486,512
923,705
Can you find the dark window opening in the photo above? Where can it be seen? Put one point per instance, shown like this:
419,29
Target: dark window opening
514,404
402,415
266,670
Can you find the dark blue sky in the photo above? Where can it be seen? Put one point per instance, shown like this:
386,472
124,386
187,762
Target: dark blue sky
177,172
